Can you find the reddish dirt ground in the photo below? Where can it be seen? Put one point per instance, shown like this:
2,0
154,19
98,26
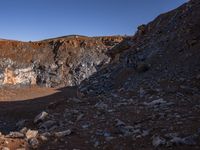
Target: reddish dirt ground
14,110
25,103
18,94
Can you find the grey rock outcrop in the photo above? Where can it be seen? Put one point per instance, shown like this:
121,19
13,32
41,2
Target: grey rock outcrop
59,62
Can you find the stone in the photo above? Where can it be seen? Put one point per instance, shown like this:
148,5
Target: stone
15,135
190,140
177,141
23,76
24,130
62,133
21,123
119,123
142,92
101,105
158,141
40,117
124,45
155,102
31,134
86,125
129,130
47,134
142,29
47,124
100,79
43,138
80,117
34,143
145,133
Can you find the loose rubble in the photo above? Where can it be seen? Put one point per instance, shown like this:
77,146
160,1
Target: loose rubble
147,97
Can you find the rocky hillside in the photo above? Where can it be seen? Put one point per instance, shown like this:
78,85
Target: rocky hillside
166,49
140,92
64,61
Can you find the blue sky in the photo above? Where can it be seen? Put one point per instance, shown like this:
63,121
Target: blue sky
40,19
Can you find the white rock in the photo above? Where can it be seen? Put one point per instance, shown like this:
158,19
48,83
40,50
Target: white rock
31,134
40,117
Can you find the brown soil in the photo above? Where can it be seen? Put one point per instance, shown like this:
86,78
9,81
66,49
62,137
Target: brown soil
24,104
150,109
18,94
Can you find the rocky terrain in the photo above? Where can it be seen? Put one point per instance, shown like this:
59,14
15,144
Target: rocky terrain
59,62
140,92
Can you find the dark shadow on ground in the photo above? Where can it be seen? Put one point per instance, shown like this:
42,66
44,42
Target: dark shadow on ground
14,111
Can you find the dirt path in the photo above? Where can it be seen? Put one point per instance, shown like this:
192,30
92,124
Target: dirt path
25,103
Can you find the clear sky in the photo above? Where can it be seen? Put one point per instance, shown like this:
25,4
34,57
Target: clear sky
39,19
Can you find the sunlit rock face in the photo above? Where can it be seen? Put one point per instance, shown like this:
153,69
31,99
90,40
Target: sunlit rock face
12,75
65,61
25,76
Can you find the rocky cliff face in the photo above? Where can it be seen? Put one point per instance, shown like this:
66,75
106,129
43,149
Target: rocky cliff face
64,61
166,49
142,93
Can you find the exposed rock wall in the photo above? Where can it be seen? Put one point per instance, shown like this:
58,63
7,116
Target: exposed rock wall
25,76
64,61
165,49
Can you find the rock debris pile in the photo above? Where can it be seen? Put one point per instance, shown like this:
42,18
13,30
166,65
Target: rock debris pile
141,93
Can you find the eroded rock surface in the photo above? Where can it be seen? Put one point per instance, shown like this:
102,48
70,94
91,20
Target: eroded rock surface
166,49
146,97
64,61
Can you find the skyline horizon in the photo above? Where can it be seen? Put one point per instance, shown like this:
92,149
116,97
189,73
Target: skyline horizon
121,24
